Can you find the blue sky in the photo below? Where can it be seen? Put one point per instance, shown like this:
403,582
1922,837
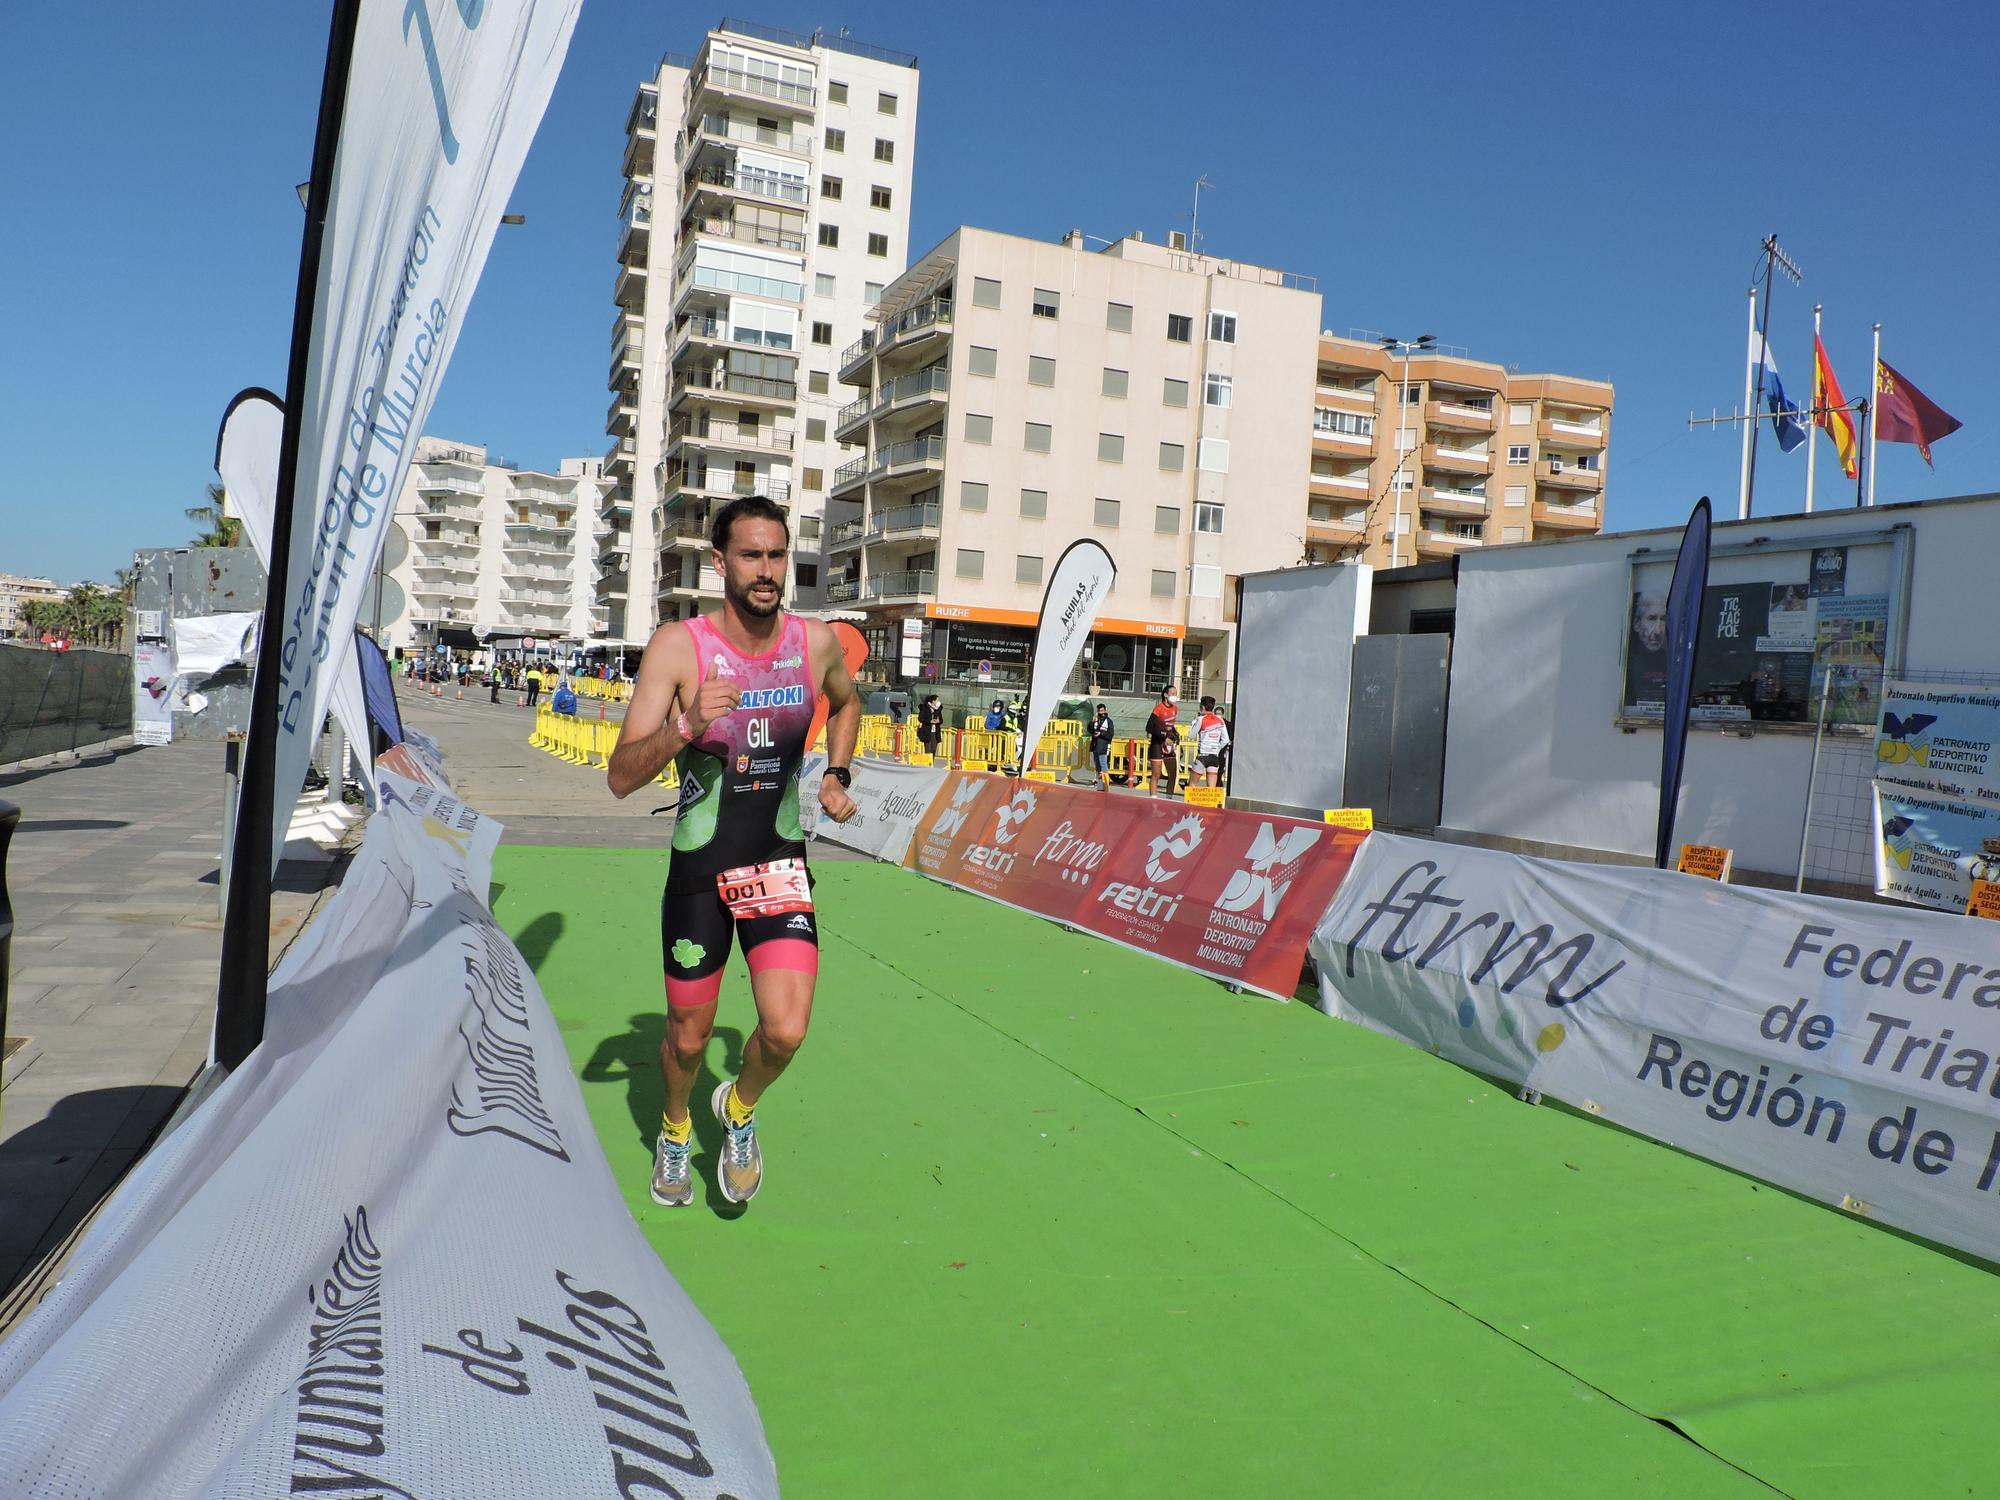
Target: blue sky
1555,187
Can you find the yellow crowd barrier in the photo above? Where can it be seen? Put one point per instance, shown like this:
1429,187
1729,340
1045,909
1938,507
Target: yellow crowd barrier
597,687
583,742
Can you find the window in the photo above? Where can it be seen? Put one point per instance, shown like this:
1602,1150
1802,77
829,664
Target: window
878,197
1222,328
982,361
1167,520
816,382
1343,423
1163,583
1413,393
829,236
1046,302
1115,382
822,333
1106,513
1173,457
808,575
836,140
1217,390
871,293
815,429
878,244
1036,438
971,495
1110,448
1208,518
1517,494
823,284
1585,461
829,187
1517,453
836,92
884,150
985,292
1118,317
1513,533
1041,371
1520,413
1027,569
1204,582
1034,504
978,429
971,563
885,104
811,479
1213,455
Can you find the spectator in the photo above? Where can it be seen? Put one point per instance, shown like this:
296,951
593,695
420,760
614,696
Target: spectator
1211,739
534,681
1015,715
1102,731
1163,743
930,724
996,716
564,701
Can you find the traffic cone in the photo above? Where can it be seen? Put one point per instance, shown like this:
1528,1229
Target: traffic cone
461,695
521,700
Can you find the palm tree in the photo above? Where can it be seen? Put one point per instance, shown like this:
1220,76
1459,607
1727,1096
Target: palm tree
217,529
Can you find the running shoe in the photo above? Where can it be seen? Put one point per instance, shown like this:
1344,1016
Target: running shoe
742,1167
673,1176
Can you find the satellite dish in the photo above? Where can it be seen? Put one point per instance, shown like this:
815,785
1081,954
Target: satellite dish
393,603
395,547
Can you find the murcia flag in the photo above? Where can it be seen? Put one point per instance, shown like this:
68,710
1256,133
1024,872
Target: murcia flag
1904,414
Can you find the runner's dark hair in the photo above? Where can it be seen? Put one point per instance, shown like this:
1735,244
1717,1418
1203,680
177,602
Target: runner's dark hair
746,507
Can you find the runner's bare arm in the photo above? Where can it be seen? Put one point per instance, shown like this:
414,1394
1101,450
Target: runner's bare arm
649,739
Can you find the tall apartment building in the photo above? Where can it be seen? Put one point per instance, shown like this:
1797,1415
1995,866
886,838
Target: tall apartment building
1486,456
766,206
1015,395
498,557
17,592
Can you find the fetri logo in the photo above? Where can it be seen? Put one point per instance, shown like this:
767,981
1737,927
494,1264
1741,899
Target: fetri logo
1270,867
1165,853
1012,814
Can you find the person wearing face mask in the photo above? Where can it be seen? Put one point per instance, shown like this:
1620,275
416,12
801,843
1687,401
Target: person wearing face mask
1163,743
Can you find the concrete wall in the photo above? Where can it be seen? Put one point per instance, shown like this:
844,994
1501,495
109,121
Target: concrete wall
1292,684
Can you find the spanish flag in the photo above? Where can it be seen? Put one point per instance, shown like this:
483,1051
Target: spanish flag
1839,425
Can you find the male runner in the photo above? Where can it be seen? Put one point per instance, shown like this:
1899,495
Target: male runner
729,697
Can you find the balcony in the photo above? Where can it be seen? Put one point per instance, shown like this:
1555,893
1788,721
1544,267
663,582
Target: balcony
1345,484
913,326
726,81
734,390
714,227
711,181
612,586
442,590
849,476
1569,516
917,455
886,588
1454,502
447,564
731,436
904,521
854,359
432,483
845,592
1567,433
852,417
628,358
1440,542
688,530
639,154
1457,460
630,292
1347,444
725,131
622,416
1359,398
914,391
722,482
635,230
1456,416
1560,475
691,278
1341,528
845,535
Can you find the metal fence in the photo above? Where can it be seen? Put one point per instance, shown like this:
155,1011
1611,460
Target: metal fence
54,701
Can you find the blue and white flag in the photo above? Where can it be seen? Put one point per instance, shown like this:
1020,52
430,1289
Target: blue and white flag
1784,421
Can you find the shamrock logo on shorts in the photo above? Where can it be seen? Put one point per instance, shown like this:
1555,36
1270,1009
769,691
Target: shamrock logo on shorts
688,954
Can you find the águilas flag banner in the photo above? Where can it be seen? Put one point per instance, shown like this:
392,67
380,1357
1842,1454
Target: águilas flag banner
1839,425
1904,414
442,100
1076,591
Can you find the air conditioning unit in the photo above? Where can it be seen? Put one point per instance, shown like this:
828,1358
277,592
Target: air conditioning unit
1176,239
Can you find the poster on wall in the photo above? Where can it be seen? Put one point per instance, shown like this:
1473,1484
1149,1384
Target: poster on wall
152,693
1852,635
1929,850
1940,738
1829,570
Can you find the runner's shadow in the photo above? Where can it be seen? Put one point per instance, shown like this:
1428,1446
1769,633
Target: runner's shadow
538,939
633,1055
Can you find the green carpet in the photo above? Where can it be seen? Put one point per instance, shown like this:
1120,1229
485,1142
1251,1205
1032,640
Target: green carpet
1043,1212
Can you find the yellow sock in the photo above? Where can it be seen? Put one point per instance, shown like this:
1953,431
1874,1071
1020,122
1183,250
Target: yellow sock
734,1107
677,1133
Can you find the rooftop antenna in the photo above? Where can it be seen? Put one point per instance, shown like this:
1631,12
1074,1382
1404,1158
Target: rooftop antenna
1194,220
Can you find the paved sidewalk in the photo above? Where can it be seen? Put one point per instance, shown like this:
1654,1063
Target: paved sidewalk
116,947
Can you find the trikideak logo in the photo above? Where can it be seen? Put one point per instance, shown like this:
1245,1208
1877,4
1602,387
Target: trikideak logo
1012,814
1269,857
1176,844
953,817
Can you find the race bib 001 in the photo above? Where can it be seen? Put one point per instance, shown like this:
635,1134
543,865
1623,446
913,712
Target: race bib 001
767,890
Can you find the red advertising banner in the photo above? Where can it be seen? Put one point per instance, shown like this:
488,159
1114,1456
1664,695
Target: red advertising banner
1230,894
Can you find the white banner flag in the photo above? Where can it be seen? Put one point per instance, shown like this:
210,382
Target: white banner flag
442,101
246,458
1077,589
889,797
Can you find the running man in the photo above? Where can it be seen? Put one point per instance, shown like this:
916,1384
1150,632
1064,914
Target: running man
728,698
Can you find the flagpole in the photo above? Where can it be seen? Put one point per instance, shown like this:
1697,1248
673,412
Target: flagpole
246,926
1750,425
1874,405
1812,437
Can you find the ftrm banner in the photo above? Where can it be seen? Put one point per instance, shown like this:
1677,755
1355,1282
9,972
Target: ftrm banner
442,100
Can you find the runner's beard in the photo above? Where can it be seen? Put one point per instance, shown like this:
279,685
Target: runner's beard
750,604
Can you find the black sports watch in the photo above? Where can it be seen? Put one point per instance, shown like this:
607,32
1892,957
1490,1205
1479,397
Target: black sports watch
842,775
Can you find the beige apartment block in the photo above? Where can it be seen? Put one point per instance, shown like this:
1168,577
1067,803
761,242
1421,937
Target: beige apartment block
766,207
1015,395
499,558
1467,454
17,592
